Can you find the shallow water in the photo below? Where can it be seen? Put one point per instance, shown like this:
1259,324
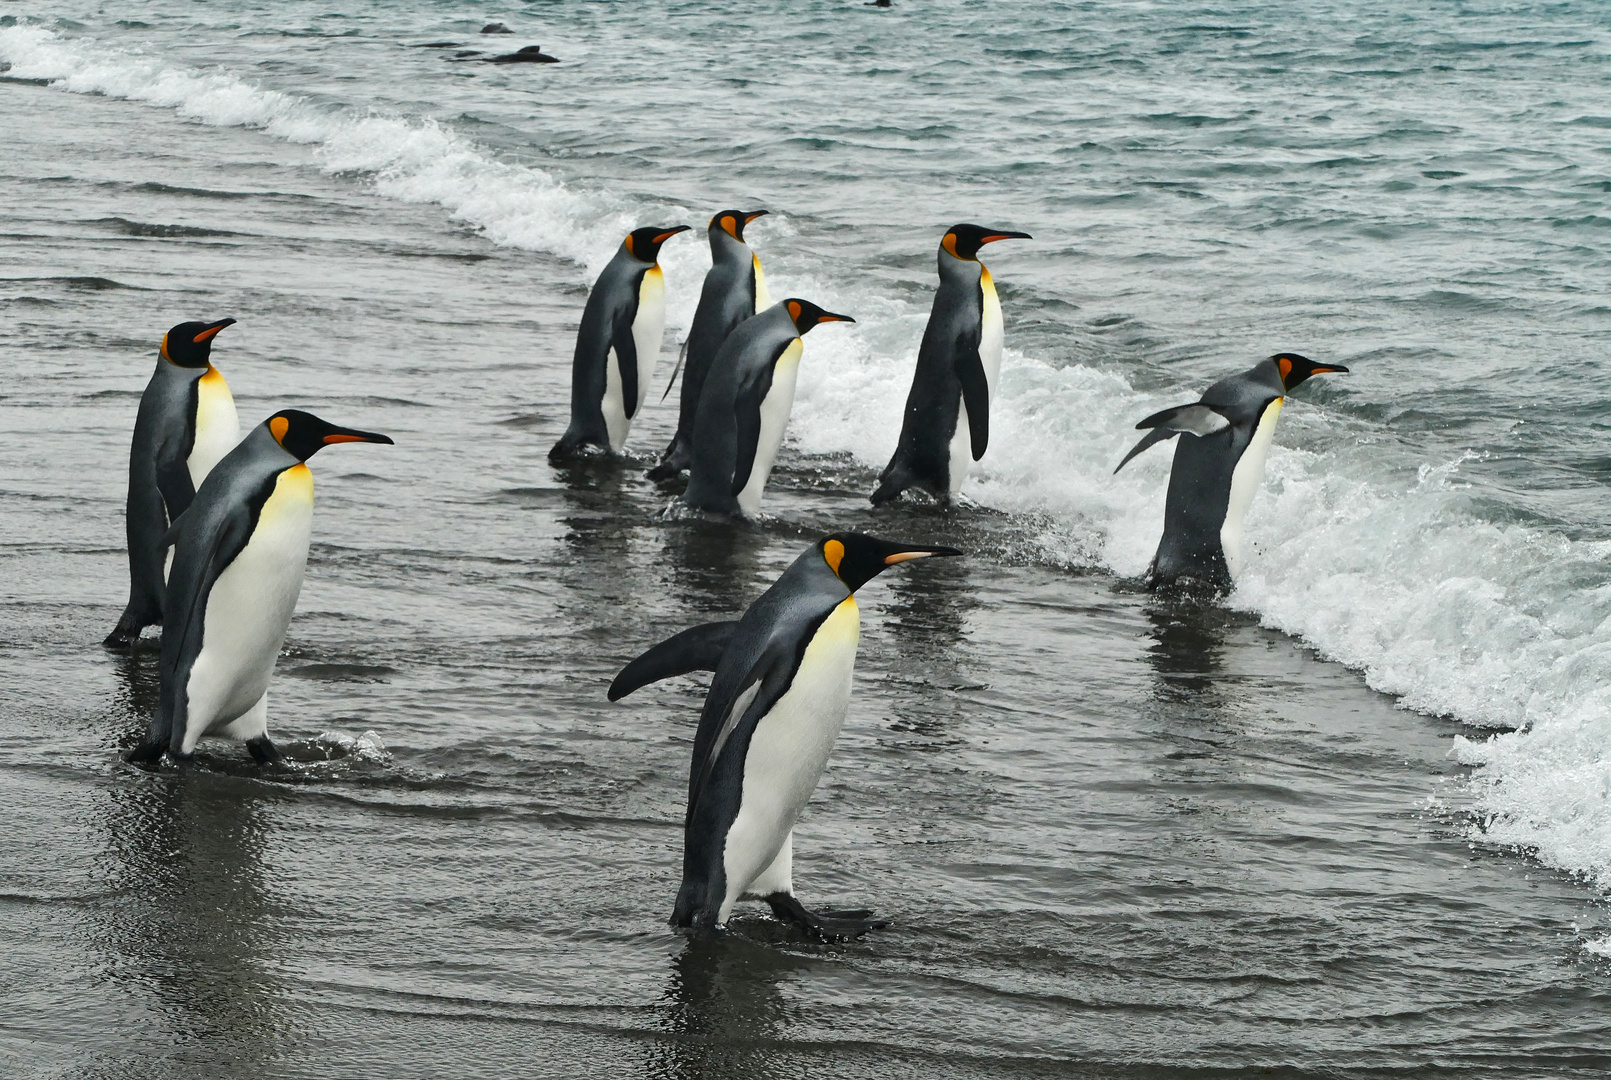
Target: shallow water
1115,836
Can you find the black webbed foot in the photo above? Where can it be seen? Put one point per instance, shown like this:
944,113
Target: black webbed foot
840,925
147,752
263,751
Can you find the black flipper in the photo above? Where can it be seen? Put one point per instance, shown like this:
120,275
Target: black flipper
173,480
747,421
823,925
682,355
975,396
1196,419
699,648
626,357
263,751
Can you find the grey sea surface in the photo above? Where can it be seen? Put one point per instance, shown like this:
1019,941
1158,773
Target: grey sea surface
1115,835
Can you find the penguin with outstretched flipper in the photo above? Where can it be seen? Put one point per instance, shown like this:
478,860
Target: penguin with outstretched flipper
779,696
1219,465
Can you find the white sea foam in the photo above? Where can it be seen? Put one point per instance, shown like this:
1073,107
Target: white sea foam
1496,625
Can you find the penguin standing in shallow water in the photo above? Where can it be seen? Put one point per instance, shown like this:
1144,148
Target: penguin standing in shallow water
779,696
947,423
735,289
186,423
239,553
617,346
1219,465
744,407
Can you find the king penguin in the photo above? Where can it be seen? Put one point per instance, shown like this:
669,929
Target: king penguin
1219,465
947,423
735,289
186,423
239,553
744,407
617,346
779,696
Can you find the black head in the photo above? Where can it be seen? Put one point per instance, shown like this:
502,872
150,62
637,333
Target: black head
190,344
858,558
645,243
1296,369
732,222
303,434
964,241
806,314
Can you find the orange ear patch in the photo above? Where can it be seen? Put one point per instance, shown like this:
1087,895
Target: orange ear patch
730,225
949,243
278,426
164,349
628,243
833,553
794,313
1286,367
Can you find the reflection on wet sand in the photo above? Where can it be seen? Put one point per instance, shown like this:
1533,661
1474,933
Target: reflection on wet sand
927,617
724,1013
187,927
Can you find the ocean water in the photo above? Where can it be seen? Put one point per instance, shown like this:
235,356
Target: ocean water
1355,821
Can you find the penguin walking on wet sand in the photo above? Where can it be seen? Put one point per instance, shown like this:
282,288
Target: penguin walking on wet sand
1219,465
947,422
239,553
744,407
735,289
779,696
617,346
185,424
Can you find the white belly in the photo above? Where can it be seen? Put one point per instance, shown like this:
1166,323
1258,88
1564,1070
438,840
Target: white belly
775,410
648,328
249,610
961,450
1245,481
788,753
990,331
217,426
615,417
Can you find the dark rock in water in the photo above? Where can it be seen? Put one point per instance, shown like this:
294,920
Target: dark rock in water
531,54
437,45
465,54
496,28
878,3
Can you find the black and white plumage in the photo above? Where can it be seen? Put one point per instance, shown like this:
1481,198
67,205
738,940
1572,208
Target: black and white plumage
239,554
946,426
744,407
617,346
186,424
734,290
1218,467
778,698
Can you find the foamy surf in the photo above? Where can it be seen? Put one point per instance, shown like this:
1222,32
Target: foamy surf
1498,625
